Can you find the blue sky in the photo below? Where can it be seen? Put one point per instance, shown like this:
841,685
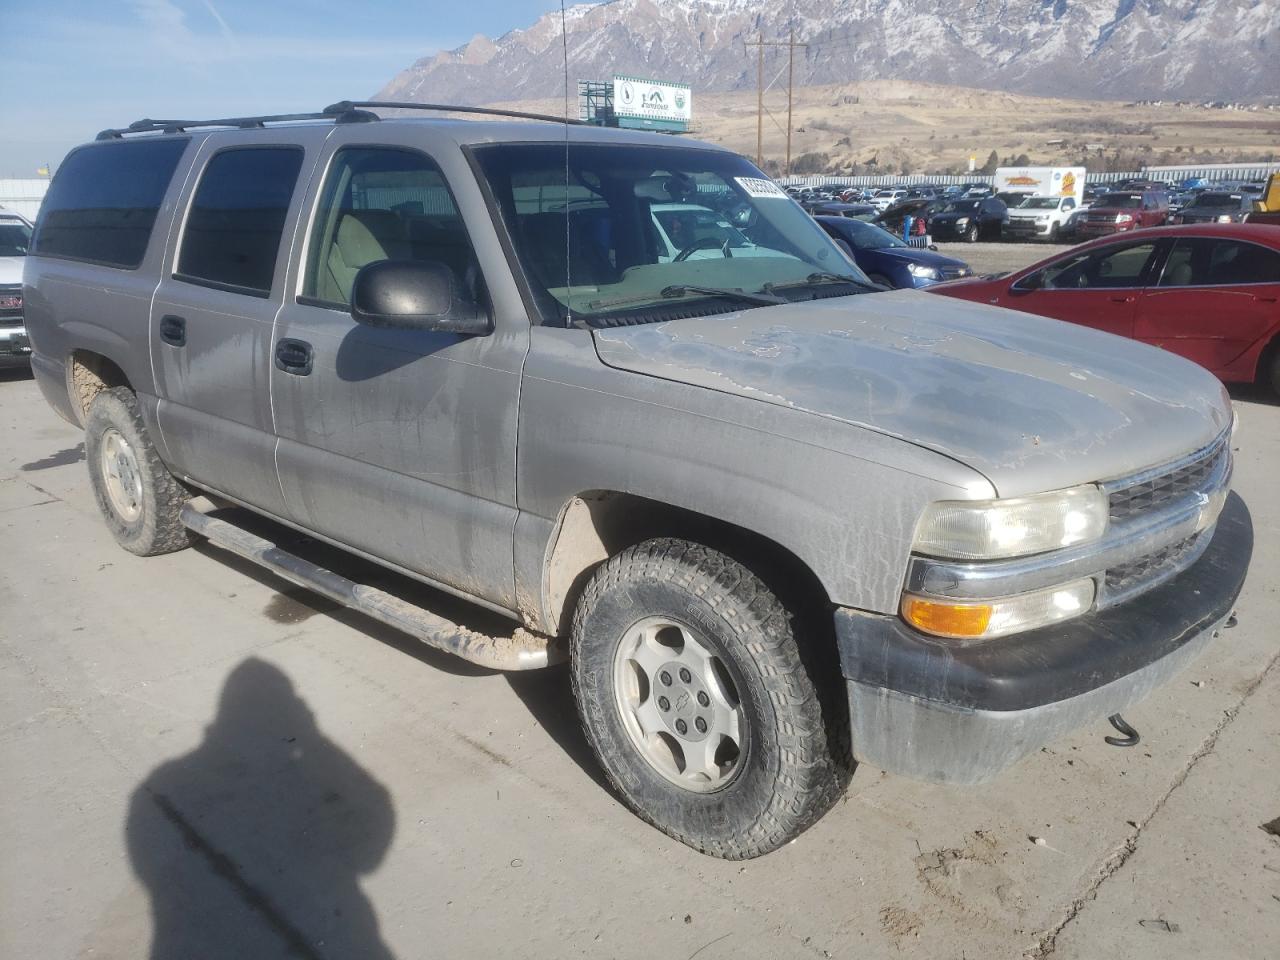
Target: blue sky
73,67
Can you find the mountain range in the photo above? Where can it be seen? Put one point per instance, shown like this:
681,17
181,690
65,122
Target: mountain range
1099,49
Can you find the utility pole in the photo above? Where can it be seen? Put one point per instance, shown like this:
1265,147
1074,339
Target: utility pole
759,105
761,43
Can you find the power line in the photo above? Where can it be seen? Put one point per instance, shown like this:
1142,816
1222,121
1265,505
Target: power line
791,44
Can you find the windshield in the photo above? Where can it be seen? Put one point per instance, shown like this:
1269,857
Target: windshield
15,237
611,234
1217,200
1039,203
867,236
1119,201
961,206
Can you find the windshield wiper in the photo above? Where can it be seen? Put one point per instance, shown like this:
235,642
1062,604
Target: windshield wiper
765,299
819,279
684,289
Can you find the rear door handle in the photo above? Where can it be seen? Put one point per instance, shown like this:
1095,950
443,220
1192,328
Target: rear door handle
294,356
1264,299
173,331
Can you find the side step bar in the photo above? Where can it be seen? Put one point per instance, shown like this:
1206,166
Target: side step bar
522,651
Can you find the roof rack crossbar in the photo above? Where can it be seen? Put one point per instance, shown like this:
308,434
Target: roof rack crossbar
346,105
243,123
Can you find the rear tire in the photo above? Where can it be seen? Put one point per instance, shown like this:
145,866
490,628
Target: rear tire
139,499
669,634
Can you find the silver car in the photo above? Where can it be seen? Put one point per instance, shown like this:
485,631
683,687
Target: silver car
776,521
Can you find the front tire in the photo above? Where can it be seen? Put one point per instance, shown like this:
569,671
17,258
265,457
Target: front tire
971,234
693,694
139,499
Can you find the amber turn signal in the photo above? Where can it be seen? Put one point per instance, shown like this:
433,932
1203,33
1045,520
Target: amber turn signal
960,620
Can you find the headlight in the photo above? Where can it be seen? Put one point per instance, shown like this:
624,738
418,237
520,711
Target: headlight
1014,527
1042,216
961,221
1224,218
1123,218
920,270
997,618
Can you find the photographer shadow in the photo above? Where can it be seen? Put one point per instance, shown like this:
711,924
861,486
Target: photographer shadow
252,844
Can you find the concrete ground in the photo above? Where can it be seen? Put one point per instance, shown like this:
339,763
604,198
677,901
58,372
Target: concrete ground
195,755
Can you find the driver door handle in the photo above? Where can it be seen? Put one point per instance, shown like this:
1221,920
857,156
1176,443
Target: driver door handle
1122,299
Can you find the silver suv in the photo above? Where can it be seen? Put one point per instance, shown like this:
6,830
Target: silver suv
776,521
15,238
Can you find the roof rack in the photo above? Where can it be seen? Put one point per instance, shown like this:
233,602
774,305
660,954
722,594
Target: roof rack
336,113
346,105
344,111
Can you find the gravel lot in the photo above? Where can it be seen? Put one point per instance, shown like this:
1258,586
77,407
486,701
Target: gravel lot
198,753
1000,257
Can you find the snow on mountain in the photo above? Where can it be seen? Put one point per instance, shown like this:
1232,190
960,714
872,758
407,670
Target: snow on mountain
1108,49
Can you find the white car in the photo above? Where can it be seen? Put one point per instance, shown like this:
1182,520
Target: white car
1040,218
885,199
15,238
689,231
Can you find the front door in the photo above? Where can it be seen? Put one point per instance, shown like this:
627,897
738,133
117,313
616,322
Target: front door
1097,288
212,317
398,442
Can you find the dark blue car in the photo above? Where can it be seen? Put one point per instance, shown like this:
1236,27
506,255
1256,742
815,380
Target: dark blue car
887,260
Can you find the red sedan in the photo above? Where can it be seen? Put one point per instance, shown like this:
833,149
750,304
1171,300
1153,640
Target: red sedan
1208,292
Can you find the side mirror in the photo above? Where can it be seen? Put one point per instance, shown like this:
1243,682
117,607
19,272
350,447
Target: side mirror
420,294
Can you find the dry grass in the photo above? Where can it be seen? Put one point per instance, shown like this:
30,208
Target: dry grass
932,128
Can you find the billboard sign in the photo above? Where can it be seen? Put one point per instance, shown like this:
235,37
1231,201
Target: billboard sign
653,100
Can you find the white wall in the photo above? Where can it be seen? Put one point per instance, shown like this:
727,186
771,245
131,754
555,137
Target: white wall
23,196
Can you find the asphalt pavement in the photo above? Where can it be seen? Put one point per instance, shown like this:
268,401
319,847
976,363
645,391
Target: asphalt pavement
200,760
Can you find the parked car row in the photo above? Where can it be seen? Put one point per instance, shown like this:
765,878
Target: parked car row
1052,215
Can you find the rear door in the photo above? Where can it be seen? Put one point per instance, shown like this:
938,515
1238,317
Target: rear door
1096,288
213,312
400,442
1215,297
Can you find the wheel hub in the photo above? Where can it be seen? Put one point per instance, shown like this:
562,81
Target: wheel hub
679,704
121,475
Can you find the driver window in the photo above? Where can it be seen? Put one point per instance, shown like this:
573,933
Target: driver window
383,203
1103,269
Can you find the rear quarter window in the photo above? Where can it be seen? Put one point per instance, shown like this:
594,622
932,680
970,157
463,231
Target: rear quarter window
102,205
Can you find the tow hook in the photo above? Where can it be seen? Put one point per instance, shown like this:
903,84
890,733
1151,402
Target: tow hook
1131,736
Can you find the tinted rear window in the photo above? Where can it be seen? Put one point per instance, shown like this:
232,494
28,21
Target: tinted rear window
103,203
236,219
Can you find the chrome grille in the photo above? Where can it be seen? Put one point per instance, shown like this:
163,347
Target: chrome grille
1146,572
1154,492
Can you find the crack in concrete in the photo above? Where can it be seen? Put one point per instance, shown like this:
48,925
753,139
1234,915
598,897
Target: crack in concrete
1048,941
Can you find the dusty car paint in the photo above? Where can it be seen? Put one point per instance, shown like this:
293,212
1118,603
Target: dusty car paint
1071,409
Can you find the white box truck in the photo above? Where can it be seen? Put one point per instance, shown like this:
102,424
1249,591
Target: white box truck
1042,181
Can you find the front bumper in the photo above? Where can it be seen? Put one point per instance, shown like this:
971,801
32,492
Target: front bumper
954,714
15,347
1105,228
1019,227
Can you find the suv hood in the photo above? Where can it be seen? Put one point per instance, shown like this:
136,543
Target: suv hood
1032,404
11,270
